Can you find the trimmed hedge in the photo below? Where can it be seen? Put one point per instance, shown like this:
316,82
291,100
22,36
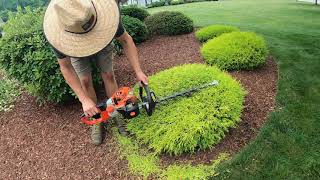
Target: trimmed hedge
135,12
136,28
173,2
236,51
169,23
210,32
190,123
176,2
157,4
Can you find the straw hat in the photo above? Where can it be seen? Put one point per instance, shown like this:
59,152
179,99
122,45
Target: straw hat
80,28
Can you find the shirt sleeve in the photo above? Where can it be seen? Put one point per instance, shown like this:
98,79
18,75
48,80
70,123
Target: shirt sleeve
120,30
58,54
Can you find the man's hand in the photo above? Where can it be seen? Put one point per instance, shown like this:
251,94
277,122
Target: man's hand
141,77
131,52
89,107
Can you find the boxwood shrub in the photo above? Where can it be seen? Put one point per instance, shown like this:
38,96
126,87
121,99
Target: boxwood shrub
136,28
235,51
213,31
169,23
135,12
157,4
190,123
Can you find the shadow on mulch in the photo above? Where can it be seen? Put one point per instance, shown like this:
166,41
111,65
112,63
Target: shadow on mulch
49,142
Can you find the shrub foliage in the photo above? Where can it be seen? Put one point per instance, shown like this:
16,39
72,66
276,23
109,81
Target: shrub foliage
169,23
27,57
213,31
235,51
157,4
135,12
9,91
196,122
176,2
136,28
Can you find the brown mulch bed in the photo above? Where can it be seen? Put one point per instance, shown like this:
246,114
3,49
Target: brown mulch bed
49,142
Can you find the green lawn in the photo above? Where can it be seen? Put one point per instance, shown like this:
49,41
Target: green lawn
288,147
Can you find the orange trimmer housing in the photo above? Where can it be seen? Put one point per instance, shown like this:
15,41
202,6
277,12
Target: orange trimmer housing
123,101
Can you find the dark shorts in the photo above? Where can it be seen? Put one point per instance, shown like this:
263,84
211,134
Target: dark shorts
102,60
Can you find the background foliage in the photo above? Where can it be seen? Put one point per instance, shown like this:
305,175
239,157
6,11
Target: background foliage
210,32
11,5
235,51
197,122
169,23
9,91
135,12
26,56
136,28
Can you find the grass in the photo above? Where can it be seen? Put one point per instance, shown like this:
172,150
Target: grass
288,146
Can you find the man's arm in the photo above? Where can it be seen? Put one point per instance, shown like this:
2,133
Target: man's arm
131,52
69,74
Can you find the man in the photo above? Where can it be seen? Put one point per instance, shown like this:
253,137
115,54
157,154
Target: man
80,32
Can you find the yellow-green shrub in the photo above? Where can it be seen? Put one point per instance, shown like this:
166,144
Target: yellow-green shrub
196,122
235,51
210,32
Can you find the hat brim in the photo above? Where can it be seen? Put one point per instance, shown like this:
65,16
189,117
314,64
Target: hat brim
82,45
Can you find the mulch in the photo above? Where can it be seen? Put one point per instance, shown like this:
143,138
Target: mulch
48,141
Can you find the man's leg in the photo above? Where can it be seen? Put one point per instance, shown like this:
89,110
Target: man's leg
87,85
105,64
110,83
82,67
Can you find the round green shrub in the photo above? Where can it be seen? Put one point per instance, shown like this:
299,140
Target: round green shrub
191,123
213,31
176,2
157,4
26,56
236,51
136,28
169,23
135,12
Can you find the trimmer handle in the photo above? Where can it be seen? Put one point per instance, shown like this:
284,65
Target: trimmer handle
98,118
149,101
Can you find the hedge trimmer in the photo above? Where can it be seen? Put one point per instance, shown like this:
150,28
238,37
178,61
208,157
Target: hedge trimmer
124,102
